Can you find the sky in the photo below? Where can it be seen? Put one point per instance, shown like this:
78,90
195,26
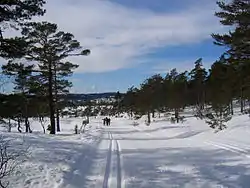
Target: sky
131,40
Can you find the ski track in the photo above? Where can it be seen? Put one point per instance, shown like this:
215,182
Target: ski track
113,165
119,175
108,164
230,147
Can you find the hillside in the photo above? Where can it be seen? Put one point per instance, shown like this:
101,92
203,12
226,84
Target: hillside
91,96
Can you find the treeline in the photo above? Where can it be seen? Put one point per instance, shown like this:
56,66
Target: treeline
36,61
211,91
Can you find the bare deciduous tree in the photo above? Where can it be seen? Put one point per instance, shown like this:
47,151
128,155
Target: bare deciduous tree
10,158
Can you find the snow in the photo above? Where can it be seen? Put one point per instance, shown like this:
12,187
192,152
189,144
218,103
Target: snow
161,155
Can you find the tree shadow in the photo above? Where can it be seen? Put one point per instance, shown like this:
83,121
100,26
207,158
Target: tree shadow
77,175
68,162
149,137
184,167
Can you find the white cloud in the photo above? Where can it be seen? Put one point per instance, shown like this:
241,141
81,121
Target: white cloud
119,36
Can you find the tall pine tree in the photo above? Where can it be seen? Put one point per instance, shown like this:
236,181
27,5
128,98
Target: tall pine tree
220,93
236,14
197,84
50,49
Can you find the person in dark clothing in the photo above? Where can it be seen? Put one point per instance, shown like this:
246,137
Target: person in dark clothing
104,121
108,121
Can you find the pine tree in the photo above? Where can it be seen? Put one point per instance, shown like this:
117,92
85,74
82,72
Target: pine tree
145,103
117,104
12,15
61,85
220,94
50,48
11,109
151,95
236,14
22,75
130,101
157,97
175,87
197,84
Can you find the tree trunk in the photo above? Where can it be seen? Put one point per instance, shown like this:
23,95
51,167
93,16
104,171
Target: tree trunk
26,121
241,101
118,108
19,125
56,101
232,108
221,121
51,102
176,113
44,131
26,118
153,113
41,119
241,105
203,100
149,120
58,121
9,128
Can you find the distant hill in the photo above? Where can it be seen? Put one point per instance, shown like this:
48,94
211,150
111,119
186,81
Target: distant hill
80,96
91,96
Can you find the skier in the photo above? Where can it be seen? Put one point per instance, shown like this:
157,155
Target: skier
104,121
108,121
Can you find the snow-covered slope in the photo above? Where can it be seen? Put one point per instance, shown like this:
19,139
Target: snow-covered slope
161,155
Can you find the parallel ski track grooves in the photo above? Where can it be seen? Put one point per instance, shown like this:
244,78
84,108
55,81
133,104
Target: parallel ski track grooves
119,171
108,164
106,183
229,147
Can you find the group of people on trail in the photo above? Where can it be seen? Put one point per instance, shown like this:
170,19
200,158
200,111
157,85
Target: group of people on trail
106,121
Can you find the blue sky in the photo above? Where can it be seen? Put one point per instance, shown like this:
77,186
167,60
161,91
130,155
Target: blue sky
131,40
161,5
161,56
160,61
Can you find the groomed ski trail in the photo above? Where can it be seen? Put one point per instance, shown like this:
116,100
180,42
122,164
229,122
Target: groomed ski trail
113,176
229,147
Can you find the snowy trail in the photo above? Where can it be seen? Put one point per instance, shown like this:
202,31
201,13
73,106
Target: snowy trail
230,147
113,170
119,167
161,155
107,169
180,157
108,163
